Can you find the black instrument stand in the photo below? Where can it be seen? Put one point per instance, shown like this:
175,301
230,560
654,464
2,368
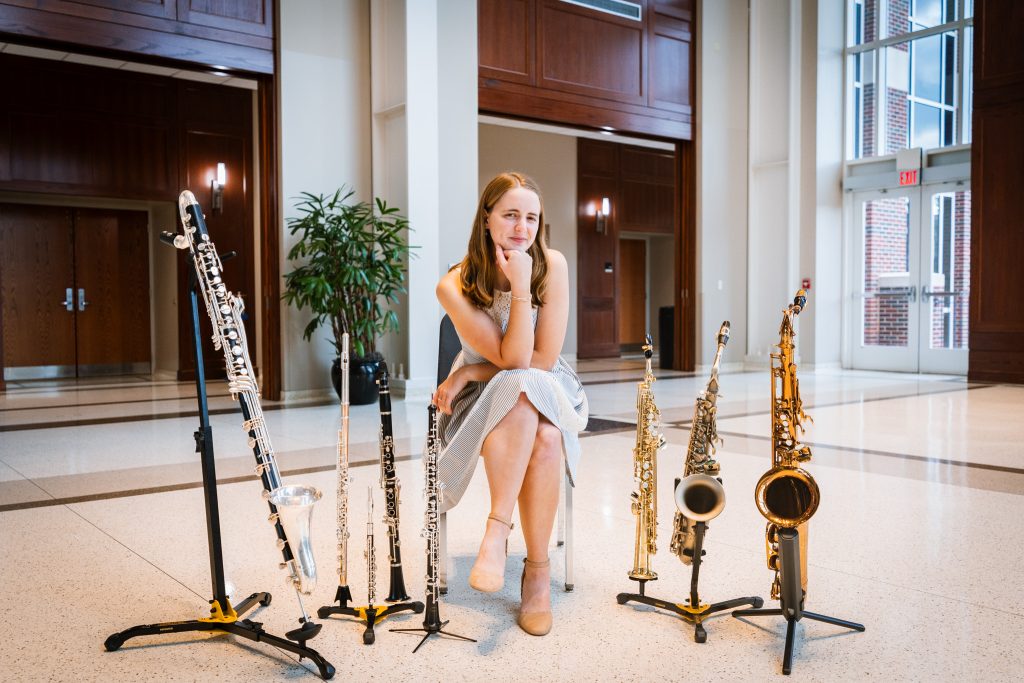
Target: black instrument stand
223,617
792,593
693,611
370,616
432,624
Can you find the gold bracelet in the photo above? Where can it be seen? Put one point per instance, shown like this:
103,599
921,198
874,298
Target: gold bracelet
522,298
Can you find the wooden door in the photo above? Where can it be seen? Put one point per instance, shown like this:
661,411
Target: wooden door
597,246
632,285
112,274
36,272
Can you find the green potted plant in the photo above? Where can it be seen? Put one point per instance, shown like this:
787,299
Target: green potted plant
351,258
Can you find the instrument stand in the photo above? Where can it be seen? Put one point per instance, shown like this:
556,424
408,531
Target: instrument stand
693,610
789,561
432,624
223,617
370,615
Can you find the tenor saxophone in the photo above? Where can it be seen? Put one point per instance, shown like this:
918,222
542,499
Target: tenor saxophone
787,495
699,495
645,472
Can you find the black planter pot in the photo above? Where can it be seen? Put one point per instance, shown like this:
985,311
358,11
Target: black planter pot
362,380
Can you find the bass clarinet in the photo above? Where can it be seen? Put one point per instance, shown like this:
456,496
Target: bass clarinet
392,489
290,506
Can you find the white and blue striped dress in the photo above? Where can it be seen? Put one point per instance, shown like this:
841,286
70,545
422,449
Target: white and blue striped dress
558,395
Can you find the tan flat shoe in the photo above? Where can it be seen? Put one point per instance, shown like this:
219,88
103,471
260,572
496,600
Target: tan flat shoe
484,581
534,623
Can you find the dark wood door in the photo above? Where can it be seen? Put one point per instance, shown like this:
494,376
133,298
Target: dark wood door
36,273
75,288
112,272
632,293
597,245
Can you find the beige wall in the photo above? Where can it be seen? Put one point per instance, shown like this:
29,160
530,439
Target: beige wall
548,158
325,143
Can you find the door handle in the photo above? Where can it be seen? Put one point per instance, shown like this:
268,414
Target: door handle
69,299
82,303
926,292
903,292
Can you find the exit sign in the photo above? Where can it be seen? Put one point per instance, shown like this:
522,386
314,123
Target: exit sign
909,177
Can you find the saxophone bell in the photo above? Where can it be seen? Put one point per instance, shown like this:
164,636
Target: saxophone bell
700,497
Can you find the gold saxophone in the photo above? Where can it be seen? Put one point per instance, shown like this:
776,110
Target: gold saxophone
645,471
787,495
699,495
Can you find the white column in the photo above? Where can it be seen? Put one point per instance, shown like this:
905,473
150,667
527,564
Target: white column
424,155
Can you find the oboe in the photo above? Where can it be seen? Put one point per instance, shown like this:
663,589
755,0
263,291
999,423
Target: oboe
290,506
392,489
432,616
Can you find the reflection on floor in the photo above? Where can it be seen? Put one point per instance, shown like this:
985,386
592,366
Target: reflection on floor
917,537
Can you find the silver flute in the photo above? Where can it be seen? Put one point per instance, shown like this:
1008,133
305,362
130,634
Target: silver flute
344,594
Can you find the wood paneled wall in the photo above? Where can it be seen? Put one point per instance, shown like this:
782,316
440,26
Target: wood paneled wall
86,131
997,176
236,35
556,61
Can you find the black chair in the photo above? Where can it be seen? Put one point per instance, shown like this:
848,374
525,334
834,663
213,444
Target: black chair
448,348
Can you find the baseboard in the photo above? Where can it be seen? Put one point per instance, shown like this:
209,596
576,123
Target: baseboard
413,388
308,395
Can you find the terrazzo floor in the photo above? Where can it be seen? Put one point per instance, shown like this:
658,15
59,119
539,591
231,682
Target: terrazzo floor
918,537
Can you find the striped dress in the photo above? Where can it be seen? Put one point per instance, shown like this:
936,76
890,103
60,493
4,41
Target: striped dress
558,395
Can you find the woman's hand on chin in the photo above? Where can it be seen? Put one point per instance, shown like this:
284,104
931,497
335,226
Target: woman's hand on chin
517,266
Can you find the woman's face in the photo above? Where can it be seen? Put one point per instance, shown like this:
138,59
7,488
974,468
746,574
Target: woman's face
514,220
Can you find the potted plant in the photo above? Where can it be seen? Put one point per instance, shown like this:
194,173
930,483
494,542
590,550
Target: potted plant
352,257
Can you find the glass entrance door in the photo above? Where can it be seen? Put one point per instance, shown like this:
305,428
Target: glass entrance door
911,270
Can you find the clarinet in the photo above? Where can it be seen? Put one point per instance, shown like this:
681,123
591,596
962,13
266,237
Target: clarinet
392,489
431,616
290,506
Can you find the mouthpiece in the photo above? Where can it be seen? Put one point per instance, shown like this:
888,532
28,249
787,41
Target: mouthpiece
723,333
648,346
799,301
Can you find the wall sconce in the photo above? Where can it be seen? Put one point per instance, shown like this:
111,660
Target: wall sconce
217,188
602,216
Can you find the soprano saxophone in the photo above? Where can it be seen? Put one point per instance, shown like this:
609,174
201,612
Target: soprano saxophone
290,506
699,495
786,494
645,472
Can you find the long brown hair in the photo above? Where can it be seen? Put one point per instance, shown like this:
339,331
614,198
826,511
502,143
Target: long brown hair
479,271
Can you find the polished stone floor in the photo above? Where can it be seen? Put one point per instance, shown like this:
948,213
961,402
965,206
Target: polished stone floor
918,537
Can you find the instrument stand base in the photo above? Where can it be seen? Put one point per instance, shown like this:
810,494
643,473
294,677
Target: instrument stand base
370,616
432,625
253,630
787,657
694,616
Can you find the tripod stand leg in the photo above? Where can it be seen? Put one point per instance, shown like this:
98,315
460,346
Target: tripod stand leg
832,620
787,657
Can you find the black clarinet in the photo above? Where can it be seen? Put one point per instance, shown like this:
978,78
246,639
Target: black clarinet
392,489
432,616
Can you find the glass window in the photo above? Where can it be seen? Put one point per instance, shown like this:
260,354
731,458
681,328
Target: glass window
903,88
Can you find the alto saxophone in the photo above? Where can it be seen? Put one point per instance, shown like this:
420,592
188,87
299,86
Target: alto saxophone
787,495
699,495
645,472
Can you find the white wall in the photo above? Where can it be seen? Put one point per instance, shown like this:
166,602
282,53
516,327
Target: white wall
721,134
325,143
548,158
